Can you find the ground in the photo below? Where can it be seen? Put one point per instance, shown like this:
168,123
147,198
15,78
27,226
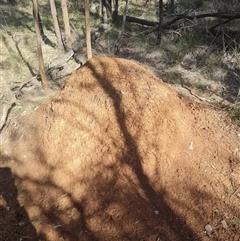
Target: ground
119,155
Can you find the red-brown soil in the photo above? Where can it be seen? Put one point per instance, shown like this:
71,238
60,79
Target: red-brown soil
118,155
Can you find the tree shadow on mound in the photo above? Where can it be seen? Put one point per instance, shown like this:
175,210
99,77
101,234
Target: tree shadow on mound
115,204
168,219
14,220
15,223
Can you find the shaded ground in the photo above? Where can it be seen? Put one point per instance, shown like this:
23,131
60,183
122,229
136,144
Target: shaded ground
118,155
14,221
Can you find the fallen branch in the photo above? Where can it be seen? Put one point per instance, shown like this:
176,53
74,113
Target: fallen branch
217,25
141,21
197,96
230,105
61,63
227,104
28,81
230,17
58,67
205,15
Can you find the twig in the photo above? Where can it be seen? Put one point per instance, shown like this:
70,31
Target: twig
192,93
218,24
236,192
231,105
61,63
27,82
146,3
6,111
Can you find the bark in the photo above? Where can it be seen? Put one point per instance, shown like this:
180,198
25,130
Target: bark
100,8
205,15
45,39
56,25
106,7
116,5
171,7
104,12
40,26
115,12
160,12
141,21
118,47
167,25
39,45
66,24
88,30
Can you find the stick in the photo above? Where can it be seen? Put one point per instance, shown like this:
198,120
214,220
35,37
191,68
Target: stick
6,111
198,97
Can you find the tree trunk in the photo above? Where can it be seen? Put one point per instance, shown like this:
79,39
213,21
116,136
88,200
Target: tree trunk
115,12
159,38
39,46
109,5
171,6
118,47
40,25
116,6
66,24
106,7
104,12
88,30
56,25
100,8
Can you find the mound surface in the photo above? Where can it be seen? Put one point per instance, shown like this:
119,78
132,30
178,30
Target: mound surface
117,155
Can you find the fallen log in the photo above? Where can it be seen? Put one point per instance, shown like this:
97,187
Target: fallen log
166,25
141,21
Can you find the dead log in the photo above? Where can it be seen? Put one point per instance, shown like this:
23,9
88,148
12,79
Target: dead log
141,21
166,25
231,16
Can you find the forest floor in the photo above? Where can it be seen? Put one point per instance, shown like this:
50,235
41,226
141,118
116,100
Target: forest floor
118,154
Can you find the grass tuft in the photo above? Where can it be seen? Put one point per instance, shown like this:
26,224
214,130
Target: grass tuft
235,115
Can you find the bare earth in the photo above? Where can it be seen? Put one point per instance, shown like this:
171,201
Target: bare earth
118,155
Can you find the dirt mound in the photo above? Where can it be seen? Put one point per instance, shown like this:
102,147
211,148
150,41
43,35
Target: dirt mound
117,155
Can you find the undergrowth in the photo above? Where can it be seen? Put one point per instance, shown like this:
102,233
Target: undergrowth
19,53
235,115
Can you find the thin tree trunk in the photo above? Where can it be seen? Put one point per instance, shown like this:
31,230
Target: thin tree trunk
104,12
118,47
106,8
100,8
45,39
40,25
159,38
88,30
39,46
115,12
66,24
171,7
109,5
221,28
56,25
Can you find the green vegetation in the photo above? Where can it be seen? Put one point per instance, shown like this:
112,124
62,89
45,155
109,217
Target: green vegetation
190,54
235,115
186,44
